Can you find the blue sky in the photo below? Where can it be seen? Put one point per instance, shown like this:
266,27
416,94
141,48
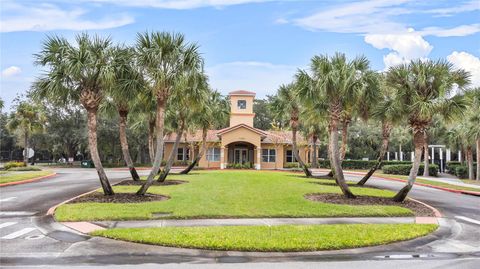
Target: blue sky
250,44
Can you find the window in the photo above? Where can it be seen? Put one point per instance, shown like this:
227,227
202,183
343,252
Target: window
242,104
180,154
268,155
289,158
213,154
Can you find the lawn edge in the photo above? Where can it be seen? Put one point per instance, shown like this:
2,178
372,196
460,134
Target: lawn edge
27,180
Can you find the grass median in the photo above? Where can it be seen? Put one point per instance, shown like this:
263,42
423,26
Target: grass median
14,176
274,238
233,194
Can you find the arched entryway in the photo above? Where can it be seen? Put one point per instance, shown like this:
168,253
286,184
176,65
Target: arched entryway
241,153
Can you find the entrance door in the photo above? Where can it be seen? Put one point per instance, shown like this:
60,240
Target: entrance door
241,156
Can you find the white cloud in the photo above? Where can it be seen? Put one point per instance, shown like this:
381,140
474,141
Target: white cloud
260,77
462,30
403,47
11,71
468,6
467,62
46,17
177,4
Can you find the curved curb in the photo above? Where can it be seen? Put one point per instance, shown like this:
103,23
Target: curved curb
27,180
51,210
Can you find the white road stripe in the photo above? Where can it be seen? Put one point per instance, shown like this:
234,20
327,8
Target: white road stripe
18,233
6,224
468,219
8,199
17,213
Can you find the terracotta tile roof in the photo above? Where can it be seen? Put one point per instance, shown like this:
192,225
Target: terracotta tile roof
241,92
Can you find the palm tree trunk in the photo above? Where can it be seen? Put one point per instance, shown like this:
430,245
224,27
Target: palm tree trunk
345,124
335,157
478,159
426,171
160,124
124,144
92,145
168,165
386,130
151,130
470,162
25,151
419,143
307,171
314,153
203,148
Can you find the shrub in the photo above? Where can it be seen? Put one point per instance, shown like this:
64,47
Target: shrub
10,165
25,168
404,169
360,164
461,171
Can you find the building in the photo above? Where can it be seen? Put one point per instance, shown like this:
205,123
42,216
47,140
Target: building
240,143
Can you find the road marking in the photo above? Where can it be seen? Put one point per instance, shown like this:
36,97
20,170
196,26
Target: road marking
17,213
18,233
8,199
6,224
468,219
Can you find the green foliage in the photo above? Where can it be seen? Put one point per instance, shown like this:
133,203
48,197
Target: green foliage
9,165
404,169
14,176
25,168
360,164
462,171
247,165
275,238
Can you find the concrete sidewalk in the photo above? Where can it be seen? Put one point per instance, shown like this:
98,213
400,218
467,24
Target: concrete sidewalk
445,178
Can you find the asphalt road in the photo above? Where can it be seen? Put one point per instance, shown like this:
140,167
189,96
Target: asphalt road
29,239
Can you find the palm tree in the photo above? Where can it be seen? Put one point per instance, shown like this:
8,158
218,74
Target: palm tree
163,57
285,104
125,89
78,73
423,89
336,84
389,113
191,91
473,117
314,127
27,119
213,114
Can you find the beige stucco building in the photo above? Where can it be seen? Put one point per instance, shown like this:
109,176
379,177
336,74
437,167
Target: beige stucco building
240,143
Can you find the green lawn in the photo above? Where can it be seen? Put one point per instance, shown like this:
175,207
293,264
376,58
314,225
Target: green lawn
11,176
431,182
469,181
232,194
275,238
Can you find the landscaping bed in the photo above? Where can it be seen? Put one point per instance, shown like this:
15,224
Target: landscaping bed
419,209
97,197
274,238
168,182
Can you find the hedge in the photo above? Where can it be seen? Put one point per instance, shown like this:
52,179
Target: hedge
9,165
360,164
404,169
461,171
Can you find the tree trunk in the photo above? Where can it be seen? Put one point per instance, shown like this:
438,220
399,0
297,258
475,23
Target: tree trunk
92,145
386,130
203,148
419,143
168,165
25,151
295,152
426,171
345,124
335,157
478,159
151,150
470,162
124,144
160,124
314,153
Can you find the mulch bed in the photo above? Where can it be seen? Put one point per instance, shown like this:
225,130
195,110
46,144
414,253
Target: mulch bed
332,198
98,197
130,182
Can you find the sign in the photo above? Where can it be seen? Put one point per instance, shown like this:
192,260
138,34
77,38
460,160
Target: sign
70,159
30,152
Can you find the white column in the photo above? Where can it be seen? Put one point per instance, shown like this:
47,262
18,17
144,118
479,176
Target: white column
401,156
413,155
222,158
396,156
433,155
441,160
449,156
388,155
259,158
460,156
